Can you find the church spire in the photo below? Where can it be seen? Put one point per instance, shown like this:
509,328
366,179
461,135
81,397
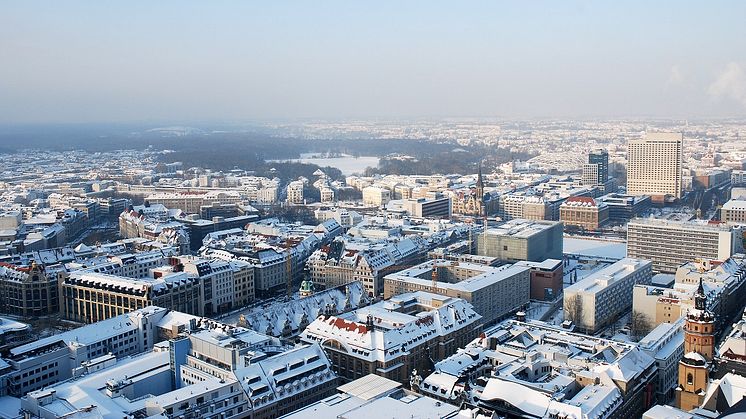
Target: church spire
700,298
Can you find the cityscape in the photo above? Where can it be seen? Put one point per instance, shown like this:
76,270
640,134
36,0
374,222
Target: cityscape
418,263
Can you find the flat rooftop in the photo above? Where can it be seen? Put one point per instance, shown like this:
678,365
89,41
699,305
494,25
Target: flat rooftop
521,228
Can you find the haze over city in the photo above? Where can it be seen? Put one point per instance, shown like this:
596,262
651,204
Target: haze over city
187,61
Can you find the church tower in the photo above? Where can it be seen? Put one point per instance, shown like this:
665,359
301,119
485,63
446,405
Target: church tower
699,347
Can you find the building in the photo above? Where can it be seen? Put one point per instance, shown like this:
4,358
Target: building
191,202
203,369
600,159
665,344
28,291
13,333
395,337
65,355
584,212
295,192
655,164
603,296
699,348
625,207
369,396
534,370
670,244
91,297
734,211
546,278
437,207
377,196
493,292
520,239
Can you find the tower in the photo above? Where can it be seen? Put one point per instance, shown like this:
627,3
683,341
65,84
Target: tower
480,191
699,344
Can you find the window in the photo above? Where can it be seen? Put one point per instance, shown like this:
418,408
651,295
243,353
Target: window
689,379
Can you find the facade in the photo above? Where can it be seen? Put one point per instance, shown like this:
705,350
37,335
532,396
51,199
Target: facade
654,165
546,278
599,158
493,292
395,337
533,370
28,291
600,298
91,297
669,244
520,239
438,207
191,202
584,212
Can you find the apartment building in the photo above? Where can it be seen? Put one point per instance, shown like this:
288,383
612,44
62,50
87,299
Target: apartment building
734,211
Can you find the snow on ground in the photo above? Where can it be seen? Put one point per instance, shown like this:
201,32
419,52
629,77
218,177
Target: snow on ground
594,247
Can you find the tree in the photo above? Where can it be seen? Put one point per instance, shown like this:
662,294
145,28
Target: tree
574,309
640,325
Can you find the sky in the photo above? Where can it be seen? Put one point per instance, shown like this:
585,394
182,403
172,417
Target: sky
239,61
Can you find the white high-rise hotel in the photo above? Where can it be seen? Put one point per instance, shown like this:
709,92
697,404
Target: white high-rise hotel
654,164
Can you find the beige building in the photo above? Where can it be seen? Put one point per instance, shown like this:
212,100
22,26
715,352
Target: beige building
494,292
734,211
654,165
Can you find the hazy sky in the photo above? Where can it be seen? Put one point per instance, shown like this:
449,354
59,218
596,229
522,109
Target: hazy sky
182,61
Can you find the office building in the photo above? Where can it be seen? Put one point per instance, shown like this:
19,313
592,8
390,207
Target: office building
493,292
654,165
602,297
734,212
600,159
670,244
584,213
625,207
393,338
521,239
546,278
28,291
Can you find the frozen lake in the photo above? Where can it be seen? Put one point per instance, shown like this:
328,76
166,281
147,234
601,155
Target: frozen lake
347,164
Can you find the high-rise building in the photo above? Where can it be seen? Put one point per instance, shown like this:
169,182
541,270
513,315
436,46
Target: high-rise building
596,171
654,165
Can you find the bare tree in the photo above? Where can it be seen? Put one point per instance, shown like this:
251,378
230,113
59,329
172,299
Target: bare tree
574,309
640,325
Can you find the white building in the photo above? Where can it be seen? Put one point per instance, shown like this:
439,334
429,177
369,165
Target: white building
295,192
670,244
373,195
600,298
